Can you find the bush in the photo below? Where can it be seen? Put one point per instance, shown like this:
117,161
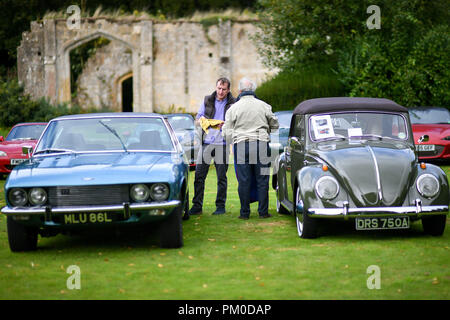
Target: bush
287,89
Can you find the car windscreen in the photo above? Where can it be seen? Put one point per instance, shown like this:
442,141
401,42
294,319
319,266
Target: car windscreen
357,125
429,116
181,122
109,134
26,132
284,119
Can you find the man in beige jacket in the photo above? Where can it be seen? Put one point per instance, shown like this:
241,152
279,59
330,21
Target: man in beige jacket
248,124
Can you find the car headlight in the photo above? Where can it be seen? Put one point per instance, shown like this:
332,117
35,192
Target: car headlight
37,196
428,185
139,192
159,192
3,154
18,197
327,188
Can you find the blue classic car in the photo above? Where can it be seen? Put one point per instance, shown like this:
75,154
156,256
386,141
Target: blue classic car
99,170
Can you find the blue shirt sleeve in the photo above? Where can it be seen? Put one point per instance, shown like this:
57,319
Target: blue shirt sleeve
201,112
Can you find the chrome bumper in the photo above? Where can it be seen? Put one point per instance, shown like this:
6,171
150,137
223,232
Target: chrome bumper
346,212
126,208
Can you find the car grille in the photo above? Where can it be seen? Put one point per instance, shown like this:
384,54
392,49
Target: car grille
88,195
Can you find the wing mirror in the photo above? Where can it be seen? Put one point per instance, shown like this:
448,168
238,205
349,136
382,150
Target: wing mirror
293,141
424,138
2,139
27,150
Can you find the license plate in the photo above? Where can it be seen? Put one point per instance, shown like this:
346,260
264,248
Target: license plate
85,218
382,223
15,162
426,147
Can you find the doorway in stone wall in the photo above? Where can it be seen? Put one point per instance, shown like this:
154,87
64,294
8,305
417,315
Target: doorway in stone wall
127,95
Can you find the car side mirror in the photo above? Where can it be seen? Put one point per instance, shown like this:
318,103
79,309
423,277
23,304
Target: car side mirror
424,138
2,139
27,150
293,141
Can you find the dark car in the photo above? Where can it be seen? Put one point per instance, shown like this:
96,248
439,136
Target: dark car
432,123
279,138
183,125
88,172
22,134
355,159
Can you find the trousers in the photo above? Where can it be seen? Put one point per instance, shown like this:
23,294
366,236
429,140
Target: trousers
252,159
208,152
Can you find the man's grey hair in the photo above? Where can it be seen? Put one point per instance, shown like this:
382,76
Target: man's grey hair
246,84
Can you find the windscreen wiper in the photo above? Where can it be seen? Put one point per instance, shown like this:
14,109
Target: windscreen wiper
114,132
51,150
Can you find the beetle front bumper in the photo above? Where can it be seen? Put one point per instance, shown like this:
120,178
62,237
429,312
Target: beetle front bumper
346,212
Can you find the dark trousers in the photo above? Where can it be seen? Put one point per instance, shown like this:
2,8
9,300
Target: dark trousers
208,152
252,159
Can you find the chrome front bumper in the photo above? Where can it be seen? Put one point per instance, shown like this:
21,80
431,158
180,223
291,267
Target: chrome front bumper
126,208
346,212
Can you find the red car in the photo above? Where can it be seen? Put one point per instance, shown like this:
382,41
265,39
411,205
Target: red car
431,129
22,134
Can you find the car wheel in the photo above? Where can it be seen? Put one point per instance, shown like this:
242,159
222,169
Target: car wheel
434,225
306,226
171,229
20,237
280,208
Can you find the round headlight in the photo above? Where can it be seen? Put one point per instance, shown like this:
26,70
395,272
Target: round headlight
139,192
18,197
159,192
327,188
37,196
428,185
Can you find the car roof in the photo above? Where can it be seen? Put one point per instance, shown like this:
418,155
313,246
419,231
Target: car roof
171,115
108,115
283,112
347,103
30,124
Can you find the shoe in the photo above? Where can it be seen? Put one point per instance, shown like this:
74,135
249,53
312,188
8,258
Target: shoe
219,211
194,211
268,215
243,217
185,217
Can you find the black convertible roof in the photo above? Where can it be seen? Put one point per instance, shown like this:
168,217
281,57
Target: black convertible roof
347,103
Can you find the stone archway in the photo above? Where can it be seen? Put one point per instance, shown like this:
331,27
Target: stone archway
65,91
48,73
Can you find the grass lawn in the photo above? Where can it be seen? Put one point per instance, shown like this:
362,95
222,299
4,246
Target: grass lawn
228,258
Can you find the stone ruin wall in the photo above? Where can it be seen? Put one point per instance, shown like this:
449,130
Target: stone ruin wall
173,64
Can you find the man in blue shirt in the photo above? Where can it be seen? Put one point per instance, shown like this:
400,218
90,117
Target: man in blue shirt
214,147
